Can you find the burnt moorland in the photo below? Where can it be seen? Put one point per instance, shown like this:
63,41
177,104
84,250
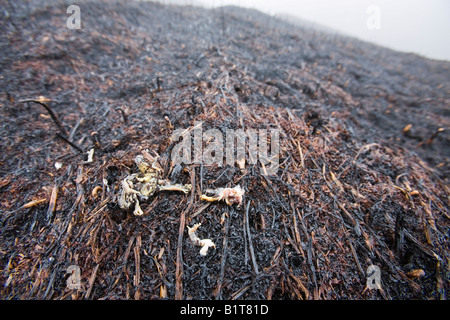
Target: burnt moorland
363,157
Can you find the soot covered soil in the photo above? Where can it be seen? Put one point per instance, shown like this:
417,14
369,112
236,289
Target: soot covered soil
364,157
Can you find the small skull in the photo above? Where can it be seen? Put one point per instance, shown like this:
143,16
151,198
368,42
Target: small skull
140,186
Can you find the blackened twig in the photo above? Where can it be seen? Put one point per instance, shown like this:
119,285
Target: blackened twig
158,83
70,143
96,140
179,261
125,118
252,251
434,135
224,259
52,114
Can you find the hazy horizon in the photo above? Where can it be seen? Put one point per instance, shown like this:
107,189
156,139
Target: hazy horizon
404,25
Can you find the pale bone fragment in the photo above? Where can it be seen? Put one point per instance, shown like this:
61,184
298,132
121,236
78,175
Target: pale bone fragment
229,195
204,243
137,209
146,183
144,166
127,195
176,187
90,154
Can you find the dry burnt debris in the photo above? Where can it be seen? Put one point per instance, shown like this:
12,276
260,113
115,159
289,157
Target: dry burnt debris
363,177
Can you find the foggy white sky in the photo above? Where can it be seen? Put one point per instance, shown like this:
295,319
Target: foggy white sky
420,26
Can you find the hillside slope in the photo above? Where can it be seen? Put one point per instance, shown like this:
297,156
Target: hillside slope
364,157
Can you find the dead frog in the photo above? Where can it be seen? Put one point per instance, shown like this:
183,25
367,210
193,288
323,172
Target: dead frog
142,185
